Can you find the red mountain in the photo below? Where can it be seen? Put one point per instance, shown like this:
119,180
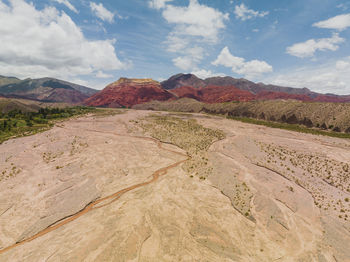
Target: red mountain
128,92
214,94
259,90
269,95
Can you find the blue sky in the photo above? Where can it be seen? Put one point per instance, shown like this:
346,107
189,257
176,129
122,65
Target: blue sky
299,43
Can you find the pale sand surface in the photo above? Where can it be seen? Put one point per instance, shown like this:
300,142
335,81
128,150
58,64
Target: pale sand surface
279,178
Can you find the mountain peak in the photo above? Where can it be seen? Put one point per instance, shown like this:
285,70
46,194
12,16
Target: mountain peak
134,80
183,80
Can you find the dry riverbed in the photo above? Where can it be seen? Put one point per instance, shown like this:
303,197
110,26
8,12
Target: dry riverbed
145,186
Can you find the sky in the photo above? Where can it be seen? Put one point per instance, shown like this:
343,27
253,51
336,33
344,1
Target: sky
297,43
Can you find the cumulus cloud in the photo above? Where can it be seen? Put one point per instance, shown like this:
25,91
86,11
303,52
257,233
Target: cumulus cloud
238,65
203,74
68,5
158,4
191,57
308,48
339,22
333,77
225,58
244,13
196,20
195,26
101,12
47,42
101,74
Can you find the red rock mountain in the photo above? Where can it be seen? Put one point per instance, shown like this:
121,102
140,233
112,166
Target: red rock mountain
214,94
230,85
128,92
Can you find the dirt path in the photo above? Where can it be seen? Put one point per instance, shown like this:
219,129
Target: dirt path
99,203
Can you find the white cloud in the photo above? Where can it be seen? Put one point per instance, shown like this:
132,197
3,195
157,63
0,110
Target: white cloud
101,12
308,48
184,63
238,65
158,4
101,74
343,7
333,77
254,68
244,13
67,4
342,64
203,74
191,57
176,43
196,20
339,22
47,42
225,58
195,26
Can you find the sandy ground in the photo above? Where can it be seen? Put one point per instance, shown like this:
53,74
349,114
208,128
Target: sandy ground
273,195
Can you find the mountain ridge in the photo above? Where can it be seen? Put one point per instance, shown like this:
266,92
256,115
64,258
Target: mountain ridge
44,89
127,92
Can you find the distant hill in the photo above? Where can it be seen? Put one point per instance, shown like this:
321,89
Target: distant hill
8,104
4,80
128,92
259,90
44,89
331,116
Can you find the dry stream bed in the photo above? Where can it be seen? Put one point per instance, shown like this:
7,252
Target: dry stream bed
144,186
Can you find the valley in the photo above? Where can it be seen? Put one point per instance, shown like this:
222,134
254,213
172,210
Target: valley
161,186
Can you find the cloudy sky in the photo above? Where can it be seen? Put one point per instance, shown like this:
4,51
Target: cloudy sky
299,43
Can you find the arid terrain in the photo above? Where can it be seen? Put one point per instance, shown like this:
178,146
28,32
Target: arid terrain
161,186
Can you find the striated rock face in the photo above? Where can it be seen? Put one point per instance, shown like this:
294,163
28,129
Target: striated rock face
259,90
214,94
128,92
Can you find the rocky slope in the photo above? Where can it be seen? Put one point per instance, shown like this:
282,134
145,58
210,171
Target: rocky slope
45,89
25,105
213,94
128,92
331,116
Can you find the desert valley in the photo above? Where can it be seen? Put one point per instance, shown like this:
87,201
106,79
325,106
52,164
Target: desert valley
183,180
174,130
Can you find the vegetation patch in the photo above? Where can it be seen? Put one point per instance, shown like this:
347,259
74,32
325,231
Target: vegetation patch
17,123
189,136
291,127
316,173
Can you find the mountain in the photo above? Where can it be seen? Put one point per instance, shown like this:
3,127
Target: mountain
260,91
213,94
241,83
128,92
44,89
180,80
25,105
4,80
